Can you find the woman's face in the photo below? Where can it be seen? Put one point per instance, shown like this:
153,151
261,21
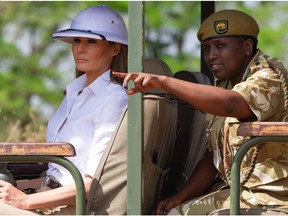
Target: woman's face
227,58
92,55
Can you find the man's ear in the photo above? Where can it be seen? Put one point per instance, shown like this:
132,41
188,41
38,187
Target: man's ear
248,47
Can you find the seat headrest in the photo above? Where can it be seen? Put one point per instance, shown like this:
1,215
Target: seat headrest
159,67
195,77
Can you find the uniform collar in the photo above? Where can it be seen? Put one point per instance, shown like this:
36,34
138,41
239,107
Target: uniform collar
247,73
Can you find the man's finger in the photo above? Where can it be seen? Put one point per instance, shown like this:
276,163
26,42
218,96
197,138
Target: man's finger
119,74
132,91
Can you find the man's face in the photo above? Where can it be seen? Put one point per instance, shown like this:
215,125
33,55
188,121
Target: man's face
227,57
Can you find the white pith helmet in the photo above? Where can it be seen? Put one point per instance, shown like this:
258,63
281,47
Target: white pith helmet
98,22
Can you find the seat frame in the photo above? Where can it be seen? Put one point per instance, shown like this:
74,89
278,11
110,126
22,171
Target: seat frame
47,152
260,132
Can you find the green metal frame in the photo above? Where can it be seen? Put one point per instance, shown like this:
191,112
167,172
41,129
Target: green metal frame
135,143
80,188
235,169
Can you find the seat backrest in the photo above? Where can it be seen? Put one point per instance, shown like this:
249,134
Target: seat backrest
160,127
190,142
108,193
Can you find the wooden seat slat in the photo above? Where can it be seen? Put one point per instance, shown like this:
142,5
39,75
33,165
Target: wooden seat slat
54,149
263,129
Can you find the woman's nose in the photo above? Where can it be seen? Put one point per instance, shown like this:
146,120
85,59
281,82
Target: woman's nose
82,47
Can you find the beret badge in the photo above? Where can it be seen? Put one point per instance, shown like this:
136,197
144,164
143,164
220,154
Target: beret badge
221,26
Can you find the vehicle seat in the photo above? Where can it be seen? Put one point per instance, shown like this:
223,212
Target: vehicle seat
160,127
190,143
108,194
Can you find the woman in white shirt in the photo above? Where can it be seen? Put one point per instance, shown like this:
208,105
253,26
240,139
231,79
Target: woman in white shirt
88,115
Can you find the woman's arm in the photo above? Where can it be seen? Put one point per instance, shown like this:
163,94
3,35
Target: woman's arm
55,197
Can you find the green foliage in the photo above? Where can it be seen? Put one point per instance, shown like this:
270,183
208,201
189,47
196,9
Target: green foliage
167,26
169,22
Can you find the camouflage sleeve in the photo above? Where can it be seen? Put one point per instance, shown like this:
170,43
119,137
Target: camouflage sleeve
263,93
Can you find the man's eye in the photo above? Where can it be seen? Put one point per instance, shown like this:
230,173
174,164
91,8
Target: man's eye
206,49
220,45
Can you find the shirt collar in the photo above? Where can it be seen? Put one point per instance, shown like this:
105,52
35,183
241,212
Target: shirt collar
78,84
101,82
247,73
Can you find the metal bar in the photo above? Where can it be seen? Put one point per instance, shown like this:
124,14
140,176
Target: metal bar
80,188
135,63
235,169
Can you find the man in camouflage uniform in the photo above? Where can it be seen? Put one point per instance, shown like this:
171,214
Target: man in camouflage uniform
248,88
261,87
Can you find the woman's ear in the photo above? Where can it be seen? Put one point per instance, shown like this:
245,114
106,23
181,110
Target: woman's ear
117,48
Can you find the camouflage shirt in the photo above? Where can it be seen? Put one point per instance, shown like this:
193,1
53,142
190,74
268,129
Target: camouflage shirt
262,89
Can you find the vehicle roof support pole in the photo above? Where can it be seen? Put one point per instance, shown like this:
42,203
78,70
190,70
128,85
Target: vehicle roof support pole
135,126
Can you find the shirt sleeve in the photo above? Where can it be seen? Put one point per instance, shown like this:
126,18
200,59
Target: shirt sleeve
263,93
105,124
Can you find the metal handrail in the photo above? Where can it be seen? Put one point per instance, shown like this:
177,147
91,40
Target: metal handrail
80,188
235,169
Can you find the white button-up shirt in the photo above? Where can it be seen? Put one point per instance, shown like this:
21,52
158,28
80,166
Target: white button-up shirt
87,122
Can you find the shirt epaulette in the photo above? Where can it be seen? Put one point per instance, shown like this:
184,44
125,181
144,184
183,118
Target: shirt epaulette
259,64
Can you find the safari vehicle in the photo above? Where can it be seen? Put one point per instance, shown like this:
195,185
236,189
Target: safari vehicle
153,138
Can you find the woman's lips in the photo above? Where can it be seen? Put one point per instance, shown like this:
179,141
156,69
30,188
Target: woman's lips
81,60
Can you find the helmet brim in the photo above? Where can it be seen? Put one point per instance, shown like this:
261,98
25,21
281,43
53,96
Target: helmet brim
68,36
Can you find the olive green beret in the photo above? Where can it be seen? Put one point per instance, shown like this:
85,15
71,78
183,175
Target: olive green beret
228,23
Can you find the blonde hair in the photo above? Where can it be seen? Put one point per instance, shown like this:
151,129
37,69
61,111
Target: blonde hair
119,63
